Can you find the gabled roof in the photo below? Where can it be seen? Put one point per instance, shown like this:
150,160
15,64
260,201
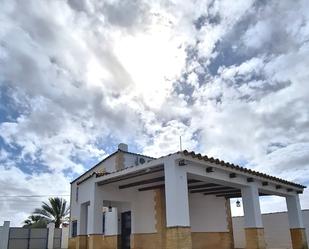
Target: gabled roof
109,156
239,168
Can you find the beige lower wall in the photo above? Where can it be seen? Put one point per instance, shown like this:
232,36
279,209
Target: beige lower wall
72,243
299,240
81,242
200,240
211,240
255,238
145,241
178,238
95,241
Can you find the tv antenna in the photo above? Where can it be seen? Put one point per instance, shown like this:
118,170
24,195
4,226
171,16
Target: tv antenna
180,143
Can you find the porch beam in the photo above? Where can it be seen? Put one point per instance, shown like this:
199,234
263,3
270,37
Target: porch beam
207,185
152,187
235,191
190,181
131,175
193,181
237,195
205,190
134,184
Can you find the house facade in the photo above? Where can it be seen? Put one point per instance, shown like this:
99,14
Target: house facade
132,201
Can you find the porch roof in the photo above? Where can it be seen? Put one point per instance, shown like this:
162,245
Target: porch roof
239,168
187,155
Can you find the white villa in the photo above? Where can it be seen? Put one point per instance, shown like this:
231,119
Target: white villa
178,201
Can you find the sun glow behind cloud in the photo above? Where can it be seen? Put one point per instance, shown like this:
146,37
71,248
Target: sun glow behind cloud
154,60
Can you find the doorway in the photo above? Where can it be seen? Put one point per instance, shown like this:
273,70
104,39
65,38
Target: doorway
125,230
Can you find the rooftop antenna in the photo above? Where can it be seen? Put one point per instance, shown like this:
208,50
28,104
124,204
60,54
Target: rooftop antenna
180,143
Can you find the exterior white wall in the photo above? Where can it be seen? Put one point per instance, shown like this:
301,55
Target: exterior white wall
108,165
133,160
276,227
84,196
141,205
4,235
143,213
51,231
64,237
84,189
111,222
207,213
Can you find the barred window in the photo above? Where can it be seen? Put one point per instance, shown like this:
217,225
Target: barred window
74,228
103,225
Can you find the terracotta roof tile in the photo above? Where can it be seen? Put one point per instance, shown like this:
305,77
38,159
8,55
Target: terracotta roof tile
211,160
237,167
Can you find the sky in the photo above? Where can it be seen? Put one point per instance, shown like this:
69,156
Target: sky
77,77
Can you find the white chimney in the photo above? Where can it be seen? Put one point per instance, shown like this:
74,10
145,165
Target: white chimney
123,147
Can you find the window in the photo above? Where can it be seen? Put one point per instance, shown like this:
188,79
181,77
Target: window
103,223
76,195
74,228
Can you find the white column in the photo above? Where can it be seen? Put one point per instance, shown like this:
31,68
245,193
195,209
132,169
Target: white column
294,212
4,235
95,211
51,231
176,194
83,219
251,203
64,237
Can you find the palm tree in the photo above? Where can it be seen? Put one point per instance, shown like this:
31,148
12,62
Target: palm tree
55,211
35,221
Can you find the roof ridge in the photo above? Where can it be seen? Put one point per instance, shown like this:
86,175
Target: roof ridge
137,154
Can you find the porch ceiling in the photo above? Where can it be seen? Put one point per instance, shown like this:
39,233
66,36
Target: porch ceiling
153,178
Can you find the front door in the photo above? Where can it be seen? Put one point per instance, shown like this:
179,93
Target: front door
125,230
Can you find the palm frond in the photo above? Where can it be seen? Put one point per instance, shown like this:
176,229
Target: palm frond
53,211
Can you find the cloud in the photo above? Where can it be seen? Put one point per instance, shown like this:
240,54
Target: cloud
17,209
77,77
126,14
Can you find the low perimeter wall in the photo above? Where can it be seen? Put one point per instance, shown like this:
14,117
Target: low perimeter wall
276,228
33,238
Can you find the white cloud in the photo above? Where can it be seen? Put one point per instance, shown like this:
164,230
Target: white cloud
230,78
17,209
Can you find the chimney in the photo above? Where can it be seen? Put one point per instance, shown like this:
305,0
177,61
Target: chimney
123,147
